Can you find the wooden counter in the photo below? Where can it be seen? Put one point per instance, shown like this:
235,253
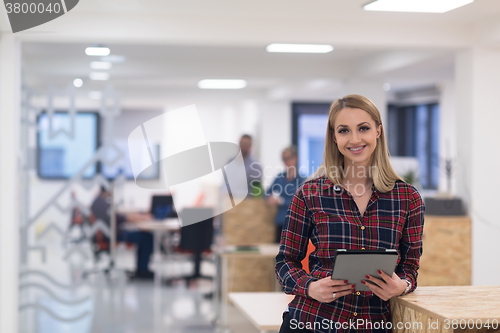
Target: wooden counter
436,309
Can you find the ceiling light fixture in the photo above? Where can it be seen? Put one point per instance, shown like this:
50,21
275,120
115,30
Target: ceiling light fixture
97,51
99,76
95,95
78,83
299,48
418,6
221,84
114,58
101,65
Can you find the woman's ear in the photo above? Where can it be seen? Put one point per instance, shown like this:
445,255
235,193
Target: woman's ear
379,130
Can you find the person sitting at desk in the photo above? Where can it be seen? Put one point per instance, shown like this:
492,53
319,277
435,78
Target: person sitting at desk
143,240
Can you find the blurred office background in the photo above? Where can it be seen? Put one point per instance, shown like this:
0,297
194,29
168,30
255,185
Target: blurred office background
65,118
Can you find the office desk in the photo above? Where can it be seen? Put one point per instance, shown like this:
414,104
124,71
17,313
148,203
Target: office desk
158,228
436,309
264,310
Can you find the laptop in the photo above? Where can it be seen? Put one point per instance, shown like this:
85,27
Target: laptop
162,207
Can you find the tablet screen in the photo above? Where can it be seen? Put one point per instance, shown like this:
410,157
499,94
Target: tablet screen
354,265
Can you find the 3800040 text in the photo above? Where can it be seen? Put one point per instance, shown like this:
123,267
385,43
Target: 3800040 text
32,8
470,324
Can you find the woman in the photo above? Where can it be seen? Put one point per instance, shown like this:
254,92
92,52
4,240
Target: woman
284,186
355,201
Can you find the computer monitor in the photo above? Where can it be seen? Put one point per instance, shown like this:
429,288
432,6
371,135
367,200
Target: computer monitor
162,207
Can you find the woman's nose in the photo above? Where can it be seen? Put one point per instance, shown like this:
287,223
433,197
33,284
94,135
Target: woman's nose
355,137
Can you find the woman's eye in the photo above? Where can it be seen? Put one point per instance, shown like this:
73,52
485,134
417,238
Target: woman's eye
364,128
343,131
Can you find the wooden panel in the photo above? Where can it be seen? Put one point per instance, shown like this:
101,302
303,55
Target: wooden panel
248,271
250,222
446,258
250,274
433,309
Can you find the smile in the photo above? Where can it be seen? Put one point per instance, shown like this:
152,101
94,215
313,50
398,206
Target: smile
357,149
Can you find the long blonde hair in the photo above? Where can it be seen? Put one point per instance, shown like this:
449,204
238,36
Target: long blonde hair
383,175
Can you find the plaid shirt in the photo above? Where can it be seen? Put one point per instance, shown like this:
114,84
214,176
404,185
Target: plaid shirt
329,217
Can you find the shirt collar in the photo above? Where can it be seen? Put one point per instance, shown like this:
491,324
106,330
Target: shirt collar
327,183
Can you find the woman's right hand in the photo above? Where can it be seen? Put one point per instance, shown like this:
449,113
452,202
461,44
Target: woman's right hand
327,290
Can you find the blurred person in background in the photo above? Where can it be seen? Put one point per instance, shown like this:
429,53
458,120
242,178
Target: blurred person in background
142,239
253,172
284,186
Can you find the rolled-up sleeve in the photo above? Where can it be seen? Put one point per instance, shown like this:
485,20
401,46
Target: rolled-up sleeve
410,244
293,248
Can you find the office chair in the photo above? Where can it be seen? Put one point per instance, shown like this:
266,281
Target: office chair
195,239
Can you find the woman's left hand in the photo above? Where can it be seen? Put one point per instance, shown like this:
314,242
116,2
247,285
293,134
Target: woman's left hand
386,286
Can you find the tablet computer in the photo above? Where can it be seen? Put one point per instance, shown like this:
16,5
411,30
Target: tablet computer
354,265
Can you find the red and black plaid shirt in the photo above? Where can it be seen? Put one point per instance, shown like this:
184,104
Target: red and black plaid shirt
329,217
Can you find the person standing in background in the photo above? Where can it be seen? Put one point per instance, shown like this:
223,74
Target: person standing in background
252,166
284,186
253,170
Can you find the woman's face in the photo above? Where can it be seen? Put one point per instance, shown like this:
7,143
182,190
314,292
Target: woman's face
289,159
356,135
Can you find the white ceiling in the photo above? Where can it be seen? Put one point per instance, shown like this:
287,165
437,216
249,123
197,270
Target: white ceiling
170,45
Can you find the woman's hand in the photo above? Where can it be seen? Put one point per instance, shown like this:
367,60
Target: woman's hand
327,290
387,287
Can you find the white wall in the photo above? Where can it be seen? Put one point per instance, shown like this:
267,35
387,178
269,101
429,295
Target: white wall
276,134
10,195
477,87
448,135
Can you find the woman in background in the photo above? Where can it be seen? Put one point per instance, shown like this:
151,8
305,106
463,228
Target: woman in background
354,201
286,183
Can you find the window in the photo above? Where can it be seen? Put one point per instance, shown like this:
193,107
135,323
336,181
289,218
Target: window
65,147
309,127
414,131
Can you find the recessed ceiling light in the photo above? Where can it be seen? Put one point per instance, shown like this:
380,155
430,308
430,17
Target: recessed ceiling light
221,84
386,86
419,6
114,58
95,95
97,51
99,76
101,65
299,48
78,83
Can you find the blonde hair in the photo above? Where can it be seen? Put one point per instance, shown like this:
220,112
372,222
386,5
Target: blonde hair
383,175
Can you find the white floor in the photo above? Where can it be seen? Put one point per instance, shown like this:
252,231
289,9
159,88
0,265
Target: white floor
55,298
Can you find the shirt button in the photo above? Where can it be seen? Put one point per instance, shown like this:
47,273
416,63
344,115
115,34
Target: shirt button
358,293
355,313
362,227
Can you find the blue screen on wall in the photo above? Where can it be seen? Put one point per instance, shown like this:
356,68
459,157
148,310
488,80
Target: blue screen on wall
64,148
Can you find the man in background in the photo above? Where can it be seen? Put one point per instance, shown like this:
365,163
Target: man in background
142,239
252,166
